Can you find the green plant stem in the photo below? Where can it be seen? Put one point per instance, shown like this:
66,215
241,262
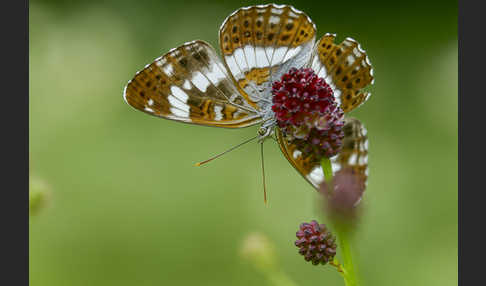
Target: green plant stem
348,266
342,232
327,168
279,278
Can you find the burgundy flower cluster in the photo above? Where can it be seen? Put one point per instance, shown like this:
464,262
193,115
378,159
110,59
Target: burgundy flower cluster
316,243
307,112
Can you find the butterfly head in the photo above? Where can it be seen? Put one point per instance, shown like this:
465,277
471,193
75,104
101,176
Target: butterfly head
264,132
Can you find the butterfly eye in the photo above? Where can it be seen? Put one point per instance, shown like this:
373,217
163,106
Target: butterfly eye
262,131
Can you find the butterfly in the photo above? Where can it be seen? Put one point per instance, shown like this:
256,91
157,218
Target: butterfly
260,44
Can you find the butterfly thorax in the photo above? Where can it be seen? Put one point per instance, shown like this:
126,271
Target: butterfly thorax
268,118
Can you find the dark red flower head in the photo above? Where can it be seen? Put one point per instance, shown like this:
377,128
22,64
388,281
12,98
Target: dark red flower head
316,243
307,113
348,188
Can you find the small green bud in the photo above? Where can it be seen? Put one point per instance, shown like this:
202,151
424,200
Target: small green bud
39,193
258,249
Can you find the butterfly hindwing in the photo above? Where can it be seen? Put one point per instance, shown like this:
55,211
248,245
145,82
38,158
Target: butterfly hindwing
190,84
260,43
354,154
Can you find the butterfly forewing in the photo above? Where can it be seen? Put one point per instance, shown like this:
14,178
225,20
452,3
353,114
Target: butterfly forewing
346,67
260,43
190,84
354,154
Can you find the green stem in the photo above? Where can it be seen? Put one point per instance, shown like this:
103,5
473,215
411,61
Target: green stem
327,168
279,278
348,266
342,233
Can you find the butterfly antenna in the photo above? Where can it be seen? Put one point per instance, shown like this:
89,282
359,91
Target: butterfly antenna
229,150
263,176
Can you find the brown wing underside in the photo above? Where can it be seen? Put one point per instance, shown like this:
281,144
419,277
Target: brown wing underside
190,84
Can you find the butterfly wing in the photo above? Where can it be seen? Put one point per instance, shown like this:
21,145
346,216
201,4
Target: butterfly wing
354,154
190,84
345,67
260,43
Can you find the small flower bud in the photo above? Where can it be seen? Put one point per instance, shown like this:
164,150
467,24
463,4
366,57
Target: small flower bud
257,249
315,243
348,188
38,195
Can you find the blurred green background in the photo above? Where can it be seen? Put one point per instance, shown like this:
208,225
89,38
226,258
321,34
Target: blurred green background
127,207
